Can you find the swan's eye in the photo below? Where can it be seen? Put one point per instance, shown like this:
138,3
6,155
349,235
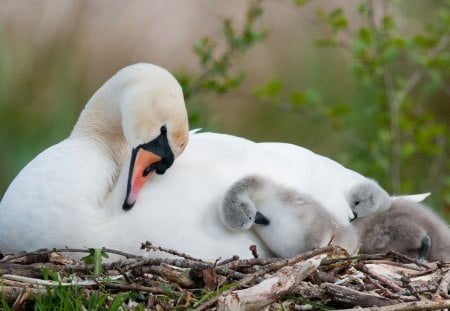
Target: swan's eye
147,170
163,129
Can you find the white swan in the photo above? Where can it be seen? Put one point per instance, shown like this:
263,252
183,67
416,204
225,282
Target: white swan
75,193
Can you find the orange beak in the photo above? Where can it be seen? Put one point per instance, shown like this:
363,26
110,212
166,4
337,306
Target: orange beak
141,168
147,159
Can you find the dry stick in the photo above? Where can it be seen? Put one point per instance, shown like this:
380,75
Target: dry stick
134,287
348,296
388,293
227,261
406,258
43,252
442,289
380,278
269,268
271,289
408,306
17,305
11,293
35,270
250,262
149,246
352,258
425,272
395,264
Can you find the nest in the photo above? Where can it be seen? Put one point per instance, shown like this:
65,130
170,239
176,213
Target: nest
320,279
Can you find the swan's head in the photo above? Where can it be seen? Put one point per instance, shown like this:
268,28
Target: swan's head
238,211
367,198
154,121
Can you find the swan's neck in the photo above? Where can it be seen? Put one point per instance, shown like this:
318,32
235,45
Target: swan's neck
101,122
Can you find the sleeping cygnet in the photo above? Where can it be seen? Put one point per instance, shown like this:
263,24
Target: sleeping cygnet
287,221
404,226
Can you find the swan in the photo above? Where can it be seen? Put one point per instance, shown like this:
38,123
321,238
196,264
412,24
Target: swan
407,227
368,197
131,171
287,221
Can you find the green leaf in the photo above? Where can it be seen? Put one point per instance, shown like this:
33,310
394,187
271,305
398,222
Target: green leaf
388,22
301,2
363,8
338,20
269,90
204,49
95,257
365,34
389,54
307,96
327,42
424,42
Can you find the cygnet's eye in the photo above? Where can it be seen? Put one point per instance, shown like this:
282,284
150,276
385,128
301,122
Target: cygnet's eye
356,203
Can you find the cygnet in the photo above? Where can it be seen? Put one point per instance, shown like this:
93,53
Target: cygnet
287,221
367,198
402,225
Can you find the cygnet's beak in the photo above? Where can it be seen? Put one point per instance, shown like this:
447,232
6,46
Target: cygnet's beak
355,215
146,159
260,219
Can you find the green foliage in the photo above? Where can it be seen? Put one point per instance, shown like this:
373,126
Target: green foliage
402,71
95,258
73,298
217,73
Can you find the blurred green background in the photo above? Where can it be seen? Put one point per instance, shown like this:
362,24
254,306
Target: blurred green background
331,76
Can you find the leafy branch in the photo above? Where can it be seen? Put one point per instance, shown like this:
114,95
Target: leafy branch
402,72
216,67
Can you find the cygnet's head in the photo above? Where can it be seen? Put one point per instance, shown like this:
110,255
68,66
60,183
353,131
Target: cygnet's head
154,121
238,211
367,198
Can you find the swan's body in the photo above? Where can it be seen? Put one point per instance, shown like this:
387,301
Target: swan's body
287,221
75,193
406,227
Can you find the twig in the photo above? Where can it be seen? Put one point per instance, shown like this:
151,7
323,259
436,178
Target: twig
348,296
408,306
388,293
226,261
250,262
395,264
40,282
442,289
44,252
17,305
409,259
254,251
148,246
388,283
269,268
271,289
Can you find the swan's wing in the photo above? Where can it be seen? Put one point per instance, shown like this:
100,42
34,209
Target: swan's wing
195,131
413,197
